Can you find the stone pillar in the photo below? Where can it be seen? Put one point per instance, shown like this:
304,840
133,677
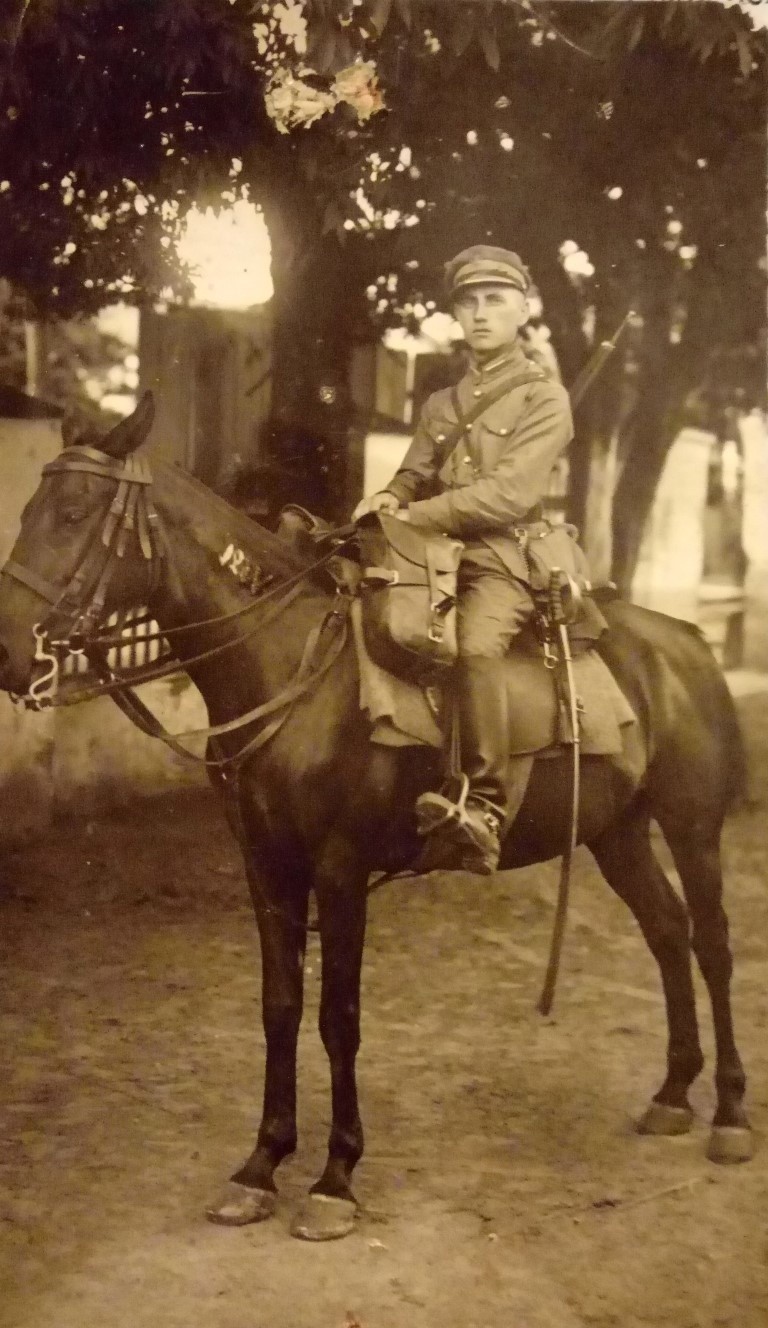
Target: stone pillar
671,559
754,442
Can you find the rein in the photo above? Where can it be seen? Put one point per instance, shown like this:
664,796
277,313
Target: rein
115,683
132,512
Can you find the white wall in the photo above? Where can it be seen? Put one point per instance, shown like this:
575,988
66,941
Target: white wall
754,440
671,559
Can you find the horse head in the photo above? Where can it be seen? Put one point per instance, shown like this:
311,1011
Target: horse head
82,550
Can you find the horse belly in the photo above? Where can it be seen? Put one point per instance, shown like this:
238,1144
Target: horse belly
541,828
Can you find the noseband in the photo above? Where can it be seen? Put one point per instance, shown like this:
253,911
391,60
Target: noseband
81,603
78,609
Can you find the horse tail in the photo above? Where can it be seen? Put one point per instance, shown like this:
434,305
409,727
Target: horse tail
700,765
735,753
715,704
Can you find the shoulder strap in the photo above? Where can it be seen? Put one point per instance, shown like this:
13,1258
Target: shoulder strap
463,422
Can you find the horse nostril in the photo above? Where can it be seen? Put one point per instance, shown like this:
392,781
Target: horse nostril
4,661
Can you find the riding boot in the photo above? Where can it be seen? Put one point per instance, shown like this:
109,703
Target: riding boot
465,835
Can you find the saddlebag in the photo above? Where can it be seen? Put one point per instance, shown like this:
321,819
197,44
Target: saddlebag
408,593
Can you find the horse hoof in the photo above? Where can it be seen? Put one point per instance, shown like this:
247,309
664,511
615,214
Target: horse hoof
730,1143
662,1119
240,1204
324,1217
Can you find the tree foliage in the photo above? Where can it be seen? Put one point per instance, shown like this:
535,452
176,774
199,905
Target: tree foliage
636,131
116,117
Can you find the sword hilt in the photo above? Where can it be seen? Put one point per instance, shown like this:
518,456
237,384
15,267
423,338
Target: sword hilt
555,597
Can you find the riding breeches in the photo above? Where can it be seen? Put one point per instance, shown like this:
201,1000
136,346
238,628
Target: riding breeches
493,608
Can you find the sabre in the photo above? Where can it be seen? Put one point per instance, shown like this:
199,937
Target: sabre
557,617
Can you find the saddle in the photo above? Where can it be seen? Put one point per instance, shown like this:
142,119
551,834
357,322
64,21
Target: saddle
403,713
406,704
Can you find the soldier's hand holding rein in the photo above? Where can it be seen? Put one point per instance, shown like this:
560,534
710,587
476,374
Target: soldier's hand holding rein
378,502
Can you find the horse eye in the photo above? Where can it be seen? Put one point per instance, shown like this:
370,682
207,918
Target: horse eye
73,516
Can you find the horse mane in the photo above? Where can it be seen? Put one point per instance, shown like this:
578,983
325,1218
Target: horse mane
253,537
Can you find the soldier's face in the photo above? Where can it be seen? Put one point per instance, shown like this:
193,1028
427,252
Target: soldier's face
490,317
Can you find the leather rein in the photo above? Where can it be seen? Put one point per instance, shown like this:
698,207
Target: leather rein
81,606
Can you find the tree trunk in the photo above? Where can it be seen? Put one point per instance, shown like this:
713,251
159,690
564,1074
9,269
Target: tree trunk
650,431
314,306
590,486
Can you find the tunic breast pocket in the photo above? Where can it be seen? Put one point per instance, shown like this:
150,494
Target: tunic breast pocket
495,429
449,455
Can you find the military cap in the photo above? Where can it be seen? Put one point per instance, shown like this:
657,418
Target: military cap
483,263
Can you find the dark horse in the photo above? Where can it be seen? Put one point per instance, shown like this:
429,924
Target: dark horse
321,807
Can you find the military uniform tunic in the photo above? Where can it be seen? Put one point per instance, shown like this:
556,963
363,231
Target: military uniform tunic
491,483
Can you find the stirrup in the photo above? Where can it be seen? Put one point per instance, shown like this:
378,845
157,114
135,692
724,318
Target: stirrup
458,838
441,811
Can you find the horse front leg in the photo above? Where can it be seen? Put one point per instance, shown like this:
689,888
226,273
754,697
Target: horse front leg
340,886
281,915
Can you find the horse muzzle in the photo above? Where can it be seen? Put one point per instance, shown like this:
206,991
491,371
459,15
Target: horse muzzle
35,685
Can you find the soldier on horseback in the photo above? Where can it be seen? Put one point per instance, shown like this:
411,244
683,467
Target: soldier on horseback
487,492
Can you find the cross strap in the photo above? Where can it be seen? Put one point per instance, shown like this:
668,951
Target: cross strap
457,434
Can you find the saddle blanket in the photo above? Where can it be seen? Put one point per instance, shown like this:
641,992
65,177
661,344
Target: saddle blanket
402,716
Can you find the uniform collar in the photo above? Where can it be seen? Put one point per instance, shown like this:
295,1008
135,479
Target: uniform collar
513,357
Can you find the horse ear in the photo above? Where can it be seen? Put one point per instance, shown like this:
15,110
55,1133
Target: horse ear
76,430
131,432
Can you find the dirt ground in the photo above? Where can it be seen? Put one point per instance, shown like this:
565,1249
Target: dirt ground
502,1186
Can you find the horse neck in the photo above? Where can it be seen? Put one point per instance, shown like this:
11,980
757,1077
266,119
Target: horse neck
198,585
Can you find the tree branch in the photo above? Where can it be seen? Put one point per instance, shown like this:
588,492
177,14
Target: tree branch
13,41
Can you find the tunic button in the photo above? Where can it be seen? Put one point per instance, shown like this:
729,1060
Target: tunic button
503,432
478,392
441,438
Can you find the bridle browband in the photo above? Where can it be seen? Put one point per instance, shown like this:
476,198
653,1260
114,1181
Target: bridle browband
131,511
77,610
82,604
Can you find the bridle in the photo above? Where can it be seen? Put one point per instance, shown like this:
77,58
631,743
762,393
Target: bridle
78,609
82,604
77,613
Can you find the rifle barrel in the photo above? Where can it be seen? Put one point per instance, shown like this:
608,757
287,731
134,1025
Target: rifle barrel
595,363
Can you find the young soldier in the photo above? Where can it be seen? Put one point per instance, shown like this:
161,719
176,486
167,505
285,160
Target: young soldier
488,488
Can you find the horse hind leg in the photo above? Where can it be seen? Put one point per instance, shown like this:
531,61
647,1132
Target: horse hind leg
625,856
697,858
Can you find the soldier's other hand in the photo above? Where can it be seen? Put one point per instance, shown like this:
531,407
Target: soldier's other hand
378,502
